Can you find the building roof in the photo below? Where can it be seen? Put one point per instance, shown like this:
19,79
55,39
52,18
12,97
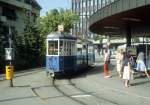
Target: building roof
36,4
60,36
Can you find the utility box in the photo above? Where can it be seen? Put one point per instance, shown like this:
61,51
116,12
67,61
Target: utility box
9,72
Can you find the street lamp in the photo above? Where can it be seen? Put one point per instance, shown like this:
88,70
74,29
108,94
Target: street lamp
9,57
8,53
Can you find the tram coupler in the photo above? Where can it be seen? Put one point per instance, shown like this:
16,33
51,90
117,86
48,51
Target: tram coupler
51,75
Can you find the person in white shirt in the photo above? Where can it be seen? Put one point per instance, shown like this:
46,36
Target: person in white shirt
141,64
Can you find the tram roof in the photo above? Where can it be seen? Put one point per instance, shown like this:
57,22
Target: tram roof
60,36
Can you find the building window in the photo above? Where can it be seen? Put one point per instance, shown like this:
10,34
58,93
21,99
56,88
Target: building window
9,13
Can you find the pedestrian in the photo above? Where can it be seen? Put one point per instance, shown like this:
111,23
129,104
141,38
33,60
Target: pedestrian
119,62
148,61
127,73
106,63
141,65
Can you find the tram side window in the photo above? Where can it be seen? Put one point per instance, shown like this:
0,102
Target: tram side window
53,48
69,47
67,52
72,48
65,48
61,48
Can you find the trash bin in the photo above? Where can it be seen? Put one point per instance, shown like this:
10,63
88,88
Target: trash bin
9,72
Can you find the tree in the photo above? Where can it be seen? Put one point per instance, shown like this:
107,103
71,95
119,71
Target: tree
99,37
53,18
27,46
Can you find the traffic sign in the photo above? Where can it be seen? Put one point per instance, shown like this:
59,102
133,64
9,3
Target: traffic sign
8,53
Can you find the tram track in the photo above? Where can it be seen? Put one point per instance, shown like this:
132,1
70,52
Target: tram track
91,93
84,93
34,90
66,95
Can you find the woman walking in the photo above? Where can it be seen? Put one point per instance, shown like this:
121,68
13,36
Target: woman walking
141,65
106,63
119,61
127,70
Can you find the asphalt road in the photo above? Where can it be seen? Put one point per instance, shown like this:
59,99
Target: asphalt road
89,88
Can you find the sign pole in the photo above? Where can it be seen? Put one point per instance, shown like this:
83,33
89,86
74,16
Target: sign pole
11,80
9,57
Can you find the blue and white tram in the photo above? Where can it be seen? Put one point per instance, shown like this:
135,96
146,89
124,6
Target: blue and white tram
60,53
85,55
91,54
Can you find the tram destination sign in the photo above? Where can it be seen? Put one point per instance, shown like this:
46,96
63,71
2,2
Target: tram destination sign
61,28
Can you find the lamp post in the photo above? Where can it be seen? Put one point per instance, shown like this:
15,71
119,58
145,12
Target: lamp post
9,58
8,52
10,46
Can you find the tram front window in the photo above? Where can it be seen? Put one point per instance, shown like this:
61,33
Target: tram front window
52,47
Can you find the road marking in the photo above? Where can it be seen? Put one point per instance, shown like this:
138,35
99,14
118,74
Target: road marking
77,96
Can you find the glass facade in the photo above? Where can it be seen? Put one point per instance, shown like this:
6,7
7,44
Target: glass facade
85,8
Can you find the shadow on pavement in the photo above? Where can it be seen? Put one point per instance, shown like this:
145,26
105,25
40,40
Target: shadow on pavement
140,83
22,86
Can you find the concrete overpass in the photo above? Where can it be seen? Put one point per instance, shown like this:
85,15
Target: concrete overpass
122,18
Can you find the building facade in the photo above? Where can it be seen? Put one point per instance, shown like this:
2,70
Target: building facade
14,14
84,9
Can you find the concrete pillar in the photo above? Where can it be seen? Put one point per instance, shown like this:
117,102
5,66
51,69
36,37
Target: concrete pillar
128,35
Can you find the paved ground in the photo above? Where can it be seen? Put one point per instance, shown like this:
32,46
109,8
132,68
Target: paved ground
33,88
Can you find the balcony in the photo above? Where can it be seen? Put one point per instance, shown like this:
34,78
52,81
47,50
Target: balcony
17,4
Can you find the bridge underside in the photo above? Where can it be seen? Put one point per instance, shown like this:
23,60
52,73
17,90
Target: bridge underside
137,20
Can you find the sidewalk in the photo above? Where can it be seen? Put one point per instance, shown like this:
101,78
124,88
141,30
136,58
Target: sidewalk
21,93
19,73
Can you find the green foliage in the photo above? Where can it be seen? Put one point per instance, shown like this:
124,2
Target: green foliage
28,46
99,37
136,40
53,18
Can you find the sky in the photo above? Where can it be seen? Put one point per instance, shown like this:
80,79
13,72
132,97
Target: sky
53,4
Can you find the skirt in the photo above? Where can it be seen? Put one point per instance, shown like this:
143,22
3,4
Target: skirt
119,67
126,73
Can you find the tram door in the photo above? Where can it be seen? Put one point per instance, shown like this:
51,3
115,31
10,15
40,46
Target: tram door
52,55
